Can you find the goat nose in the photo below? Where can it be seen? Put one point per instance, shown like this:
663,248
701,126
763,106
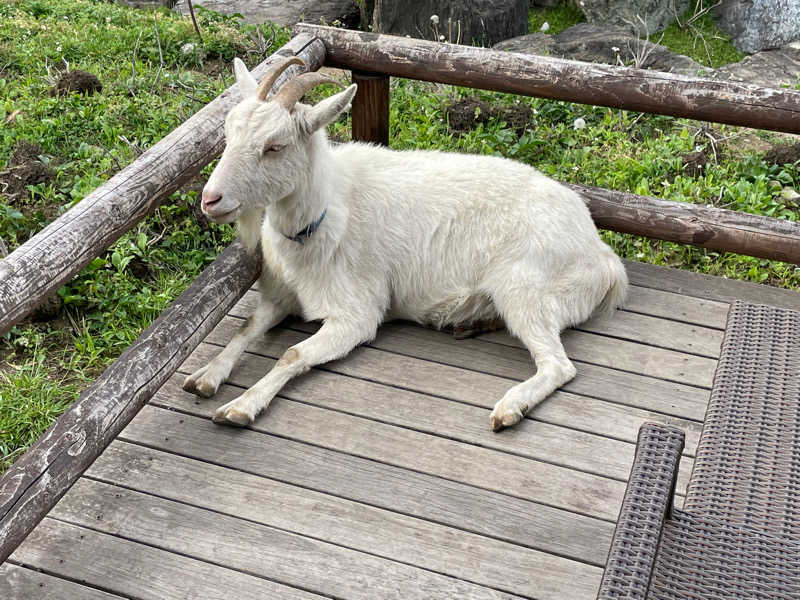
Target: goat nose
210,198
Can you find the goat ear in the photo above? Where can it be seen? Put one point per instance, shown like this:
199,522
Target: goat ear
326,112
247,83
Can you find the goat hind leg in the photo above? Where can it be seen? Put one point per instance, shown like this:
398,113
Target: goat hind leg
553,368
206,380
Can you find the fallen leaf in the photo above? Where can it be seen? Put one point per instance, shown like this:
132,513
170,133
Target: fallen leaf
13,116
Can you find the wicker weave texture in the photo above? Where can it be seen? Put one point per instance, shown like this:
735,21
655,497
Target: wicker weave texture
647,503
747,470
703,559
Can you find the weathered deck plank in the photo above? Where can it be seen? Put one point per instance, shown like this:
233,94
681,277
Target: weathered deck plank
677,307
709,287
475,359
363,402
138,571
19,582
337,521
576,491
376,475
404,491
281,556
480,389
596,349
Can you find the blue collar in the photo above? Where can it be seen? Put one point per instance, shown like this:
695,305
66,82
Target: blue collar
301,236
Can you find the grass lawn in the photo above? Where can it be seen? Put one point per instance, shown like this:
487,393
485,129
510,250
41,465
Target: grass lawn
83,139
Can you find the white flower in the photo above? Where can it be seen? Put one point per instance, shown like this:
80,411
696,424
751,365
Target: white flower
58,48
615,49
434,19
188,48
575,168
545,26
579,123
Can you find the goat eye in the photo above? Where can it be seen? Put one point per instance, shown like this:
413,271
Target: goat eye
272,148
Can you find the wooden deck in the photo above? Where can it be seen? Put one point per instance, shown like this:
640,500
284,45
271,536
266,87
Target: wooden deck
377,476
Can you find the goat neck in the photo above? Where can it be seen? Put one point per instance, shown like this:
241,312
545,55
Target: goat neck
317,190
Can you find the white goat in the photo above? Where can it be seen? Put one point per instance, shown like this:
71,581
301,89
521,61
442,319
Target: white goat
431,237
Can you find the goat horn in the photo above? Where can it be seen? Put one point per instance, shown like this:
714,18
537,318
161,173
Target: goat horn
296,88
269,79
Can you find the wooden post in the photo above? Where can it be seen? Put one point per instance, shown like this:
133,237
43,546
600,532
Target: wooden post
371,108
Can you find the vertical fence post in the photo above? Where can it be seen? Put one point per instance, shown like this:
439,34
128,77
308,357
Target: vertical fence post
371,108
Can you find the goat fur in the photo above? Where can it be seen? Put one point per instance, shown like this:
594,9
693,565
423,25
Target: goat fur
433,237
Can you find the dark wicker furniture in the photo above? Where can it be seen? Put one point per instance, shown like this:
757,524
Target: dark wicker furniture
738,535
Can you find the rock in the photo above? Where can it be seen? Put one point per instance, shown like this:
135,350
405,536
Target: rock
483,22
642,17
610,45
789,194
756,25
770,68
283,12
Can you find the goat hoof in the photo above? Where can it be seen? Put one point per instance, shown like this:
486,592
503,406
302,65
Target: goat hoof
231,416
195,384
496,423
500,418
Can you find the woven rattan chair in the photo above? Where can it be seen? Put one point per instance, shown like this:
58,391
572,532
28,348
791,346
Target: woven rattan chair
738,535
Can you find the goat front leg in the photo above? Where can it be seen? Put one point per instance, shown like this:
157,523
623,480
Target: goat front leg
206,380
334,340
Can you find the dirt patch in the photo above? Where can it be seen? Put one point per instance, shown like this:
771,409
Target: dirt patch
24,168
81,82
783,154
213,67
467,113
695,163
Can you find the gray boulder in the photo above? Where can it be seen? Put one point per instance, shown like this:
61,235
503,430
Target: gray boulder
283,12
592,43
483,22
642,17
760,24
610,45
770,68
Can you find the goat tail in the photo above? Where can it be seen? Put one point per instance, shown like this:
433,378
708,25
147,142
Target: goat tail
618,288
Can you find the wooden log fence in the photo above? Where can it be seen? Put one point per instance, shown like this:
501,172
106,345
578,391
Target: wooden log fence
35,482
635,89
586,83
40,477
695,224
38,267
